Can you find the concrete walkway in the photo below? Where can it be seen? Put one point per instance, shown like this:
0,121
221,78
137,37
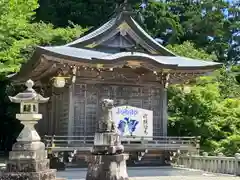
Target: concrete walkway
184,178
153,173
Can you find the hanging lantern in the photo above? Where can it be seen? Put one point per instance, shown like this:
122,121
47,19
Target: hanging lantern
59,82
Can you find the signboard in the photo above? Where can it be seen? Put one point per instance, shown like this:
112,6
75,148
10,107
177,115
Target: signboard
133,121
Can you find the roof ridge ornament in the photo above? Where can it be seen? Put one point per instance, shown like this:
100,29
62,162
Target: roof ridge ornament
124,7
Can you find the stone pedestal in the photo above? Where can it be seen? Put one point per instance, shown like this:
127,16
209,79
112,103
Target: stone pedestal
45,175
28,164
107,143
107,167
107,161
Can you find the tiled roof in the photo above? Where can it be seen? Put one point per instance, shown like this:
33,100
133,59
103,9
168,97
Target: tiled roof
95,33
112,25
149,37
93,55
74,52
185,62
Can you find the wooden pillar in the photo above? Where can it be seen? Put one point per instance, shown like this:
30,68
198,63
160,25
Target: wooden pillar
52,123
71,110
50,116
56,105
163,109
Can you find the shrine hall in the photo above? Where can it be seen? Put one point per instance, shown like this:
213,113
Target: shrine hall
118,60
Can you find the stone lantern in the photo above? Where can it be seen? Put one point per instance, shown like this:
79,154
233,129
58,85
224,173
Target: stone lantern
28,158
29,101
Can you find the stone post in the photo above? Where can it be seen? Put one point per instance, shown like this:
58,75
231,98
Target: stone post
205,163
28,158
237,164
219,166
190,160
107,161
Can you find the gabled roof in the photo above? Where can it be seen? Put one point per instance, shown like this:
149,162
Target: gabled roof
105,27
107,45
86,48
126,25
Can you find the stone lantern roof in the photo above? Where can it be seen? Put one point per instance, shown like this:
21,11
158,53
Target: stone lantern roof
29,95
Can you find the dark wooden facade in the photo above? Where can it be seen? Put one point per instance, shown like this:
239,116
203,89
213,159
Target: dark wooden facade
120,61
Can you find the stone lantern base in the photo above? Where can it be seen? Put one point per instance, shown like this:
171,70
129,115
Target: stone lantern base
28,164
44,175
107,167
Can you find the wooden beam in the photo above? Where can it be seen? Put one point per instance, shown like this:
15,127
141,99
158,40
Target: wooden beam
47,71
115,82
37,70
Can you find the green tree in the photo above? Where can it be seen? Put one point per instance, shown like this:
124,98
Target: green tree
89,13
18,36
210,109
229,145
18,39
160,22
236,72
210,25
188,49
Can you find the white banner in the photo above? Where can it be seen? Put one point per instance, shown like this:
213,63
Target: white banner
133,121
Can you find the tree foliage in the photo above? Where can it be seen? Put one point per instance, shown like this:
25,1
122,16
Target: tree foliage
188,49
18,39
210,25
211,109
86,13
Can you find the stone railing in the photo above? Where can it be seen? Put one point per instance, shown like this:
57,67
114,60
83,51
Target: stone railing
214,164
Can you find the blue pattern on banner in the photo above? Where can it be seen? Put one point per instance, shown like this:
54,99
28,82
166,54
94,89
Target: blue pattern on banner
127,124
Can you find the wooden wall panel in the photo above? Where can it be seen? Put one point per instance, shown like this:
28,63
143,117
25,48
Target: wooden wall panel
87,97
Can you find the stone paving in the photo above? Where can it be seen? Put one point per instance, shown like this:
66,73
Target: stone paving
153,173
184,178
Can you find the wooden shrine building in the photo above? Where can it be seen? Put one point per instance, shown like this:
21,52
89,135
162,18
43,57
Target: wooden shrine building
118,60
